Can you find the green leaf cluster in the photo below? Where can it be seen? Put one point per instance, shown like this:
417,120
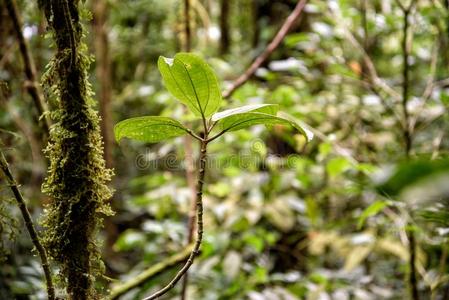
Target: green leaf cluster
193,82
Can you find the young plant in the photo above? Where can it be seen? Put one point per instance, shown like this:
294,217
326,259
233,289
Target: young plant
189,79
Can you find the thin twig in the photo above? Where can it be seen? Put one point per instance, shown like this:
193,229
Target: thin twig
433,68
27,131
408,138
29,224
191,133
217,135
405,77
371,68
401,6
30,67
289,22
430,85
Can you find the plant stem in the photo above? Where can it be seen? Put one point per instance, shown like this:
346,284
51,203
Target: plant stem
190,175
408,139
29,224
405,84
413,282
199,218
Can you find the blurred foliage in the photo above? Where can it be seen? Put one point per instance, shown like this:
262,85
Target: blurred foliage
283,220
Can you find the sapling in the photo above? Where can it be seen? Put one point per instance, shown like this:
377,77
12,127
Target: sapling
189,79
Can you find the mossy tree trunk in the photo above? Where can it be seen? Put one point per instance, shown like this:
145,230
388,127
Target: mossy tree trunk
77,174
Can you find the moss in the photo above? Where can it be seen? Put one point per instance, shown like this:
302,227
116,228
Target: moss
77,175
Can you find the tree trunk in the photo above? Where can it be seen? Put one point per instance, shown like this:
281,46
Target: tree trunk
103,71
224,27
256,23
77,176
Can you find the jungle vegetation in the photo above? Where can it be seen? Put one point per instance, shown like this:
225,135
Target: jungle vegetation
227,149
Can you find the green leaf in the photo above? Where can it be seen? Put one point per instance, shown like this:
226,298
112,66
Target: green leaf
410,173
239,121
129,239
191,81
370,211
151,129
337,166
440,217
270,109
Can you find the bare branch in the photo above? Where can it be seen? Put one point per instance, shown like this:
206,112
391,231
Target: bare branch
29,224
30,68
406,49
430,85
431,80
373,75
295,14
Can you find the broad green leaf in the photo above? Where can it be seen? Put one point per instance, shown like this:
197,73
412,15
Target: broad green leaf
244,120
270,109
191,81
151,129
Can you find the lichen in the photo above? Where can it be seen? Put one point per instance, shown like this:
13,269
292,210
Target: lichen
77,176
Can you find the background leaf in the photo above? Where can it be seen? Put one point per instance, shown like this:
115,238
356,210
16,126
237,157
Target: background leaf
371,210
410,173
191,81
